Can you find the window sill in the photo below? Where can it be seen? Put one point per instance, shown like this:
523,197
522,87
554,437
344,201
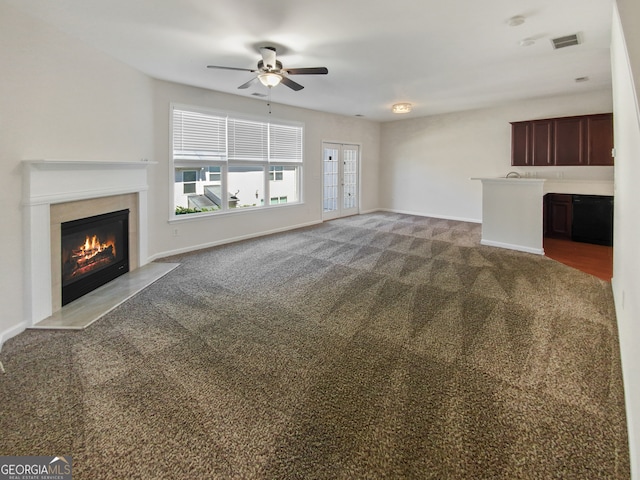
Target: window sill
229,212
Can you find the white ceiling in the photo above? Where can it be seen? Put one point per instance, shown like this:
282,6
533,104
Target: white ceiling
439,55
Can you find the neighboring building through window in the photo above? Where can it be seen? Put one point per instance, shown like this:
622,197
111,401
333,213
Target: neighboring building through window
223,163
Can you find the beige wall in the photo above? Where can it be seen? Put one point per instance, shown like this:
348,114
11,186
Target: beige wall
629,13
625,56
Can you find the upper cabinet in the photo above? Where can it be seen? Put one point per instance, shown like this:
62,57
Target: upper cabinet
542,143
600,139
569,141
520,144
583,140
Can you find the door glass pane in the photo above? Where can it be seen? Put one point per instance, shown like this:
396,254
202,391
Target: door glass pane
330,180
350,189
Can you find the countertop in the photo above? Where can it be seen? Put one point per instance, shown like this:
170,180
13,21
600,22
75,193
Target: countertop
559,185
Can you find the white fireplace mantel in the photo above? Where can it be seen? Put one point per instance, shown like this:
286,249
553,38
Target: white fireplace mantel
47,182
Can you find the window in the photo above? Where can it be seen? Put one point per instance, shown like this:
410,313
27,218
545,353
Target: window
276,200
214,175
189,181
224,163
275,174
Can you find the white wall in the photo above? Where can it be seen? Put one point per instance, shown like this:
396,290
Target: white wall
427,163
58,99
626,268
203,231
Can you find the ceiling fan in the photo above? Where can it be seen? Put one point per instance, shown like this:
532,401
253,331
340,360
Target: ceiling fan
271,73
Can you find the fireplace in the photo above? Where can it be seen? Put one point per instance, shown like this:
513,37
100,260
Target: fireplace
58,191
94,251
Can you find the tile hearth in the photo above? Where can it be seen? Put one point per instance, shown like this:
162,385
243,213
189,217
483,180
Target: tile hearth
84,311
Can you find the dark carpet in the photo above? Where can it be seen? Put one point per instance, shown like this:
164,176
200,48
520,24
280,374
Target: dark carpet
375,346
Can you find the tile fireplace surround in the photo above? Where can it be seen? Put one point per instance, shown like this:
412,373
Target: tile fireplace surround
53,188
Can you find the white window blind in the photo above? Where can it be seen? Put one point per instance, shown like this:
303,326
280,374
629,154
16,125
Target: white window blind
247,140
201,136
285,143
197,136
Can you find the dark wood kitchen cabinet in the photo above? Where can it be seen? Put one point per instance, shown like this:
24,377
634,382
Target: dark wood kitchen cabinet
520,144
600,139
542,143
569,141
558,215
532,143
582,140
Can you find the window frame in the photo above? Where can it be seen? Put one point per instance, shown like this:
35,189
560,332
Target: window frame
224,162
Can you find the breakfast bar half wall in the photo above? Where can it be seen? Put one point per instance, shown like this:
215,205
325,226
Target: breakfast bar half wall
513,212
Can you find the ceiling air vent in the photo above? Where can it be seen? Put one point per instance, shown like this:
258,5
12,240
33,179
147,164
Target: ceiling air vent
566,41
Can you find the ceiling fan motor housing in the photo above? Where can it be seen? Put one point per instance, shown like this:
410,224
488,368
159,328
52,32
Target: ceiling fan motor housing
262,68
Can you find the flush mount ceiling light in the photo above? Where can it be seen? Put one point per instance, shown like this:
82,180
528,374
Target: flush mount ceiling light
527,42
401,108
270,79
515,21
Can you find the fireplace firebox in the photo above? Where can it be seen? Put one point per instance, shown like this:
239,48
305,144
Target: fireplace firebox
95,250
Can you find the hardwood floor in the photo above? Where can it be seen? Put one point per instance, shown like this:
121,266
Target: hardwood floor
596,260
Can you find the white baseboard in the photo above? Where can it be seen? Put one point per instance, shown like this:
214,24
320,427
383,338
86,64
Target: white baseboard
225,241
520,248
372,210
430,215
12,332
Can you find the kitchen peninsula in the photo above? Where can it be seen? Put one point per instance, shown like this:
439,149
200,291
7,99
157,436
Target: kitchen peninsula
513,213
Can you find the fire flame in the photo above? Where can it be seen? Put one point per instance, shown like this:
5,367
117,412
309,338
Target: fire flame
92,246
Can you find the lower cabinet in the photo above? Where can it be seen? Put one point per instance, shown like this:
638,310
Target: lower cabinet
558,215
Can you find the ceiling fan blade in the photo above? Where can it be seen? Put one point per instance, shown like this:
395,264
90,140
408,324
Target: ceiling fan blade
248,84
233,68
291,84
268,57
307,71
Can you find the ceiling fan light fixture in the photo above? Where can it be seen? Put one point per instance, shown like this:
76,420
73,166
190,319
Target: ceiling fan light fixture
270,79
401,108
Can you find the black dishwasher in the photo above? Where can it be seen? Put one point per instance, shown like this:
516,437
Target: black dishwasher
592,219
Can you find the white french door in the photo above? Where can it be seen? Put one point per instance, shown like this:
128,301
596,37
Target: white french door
340,177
